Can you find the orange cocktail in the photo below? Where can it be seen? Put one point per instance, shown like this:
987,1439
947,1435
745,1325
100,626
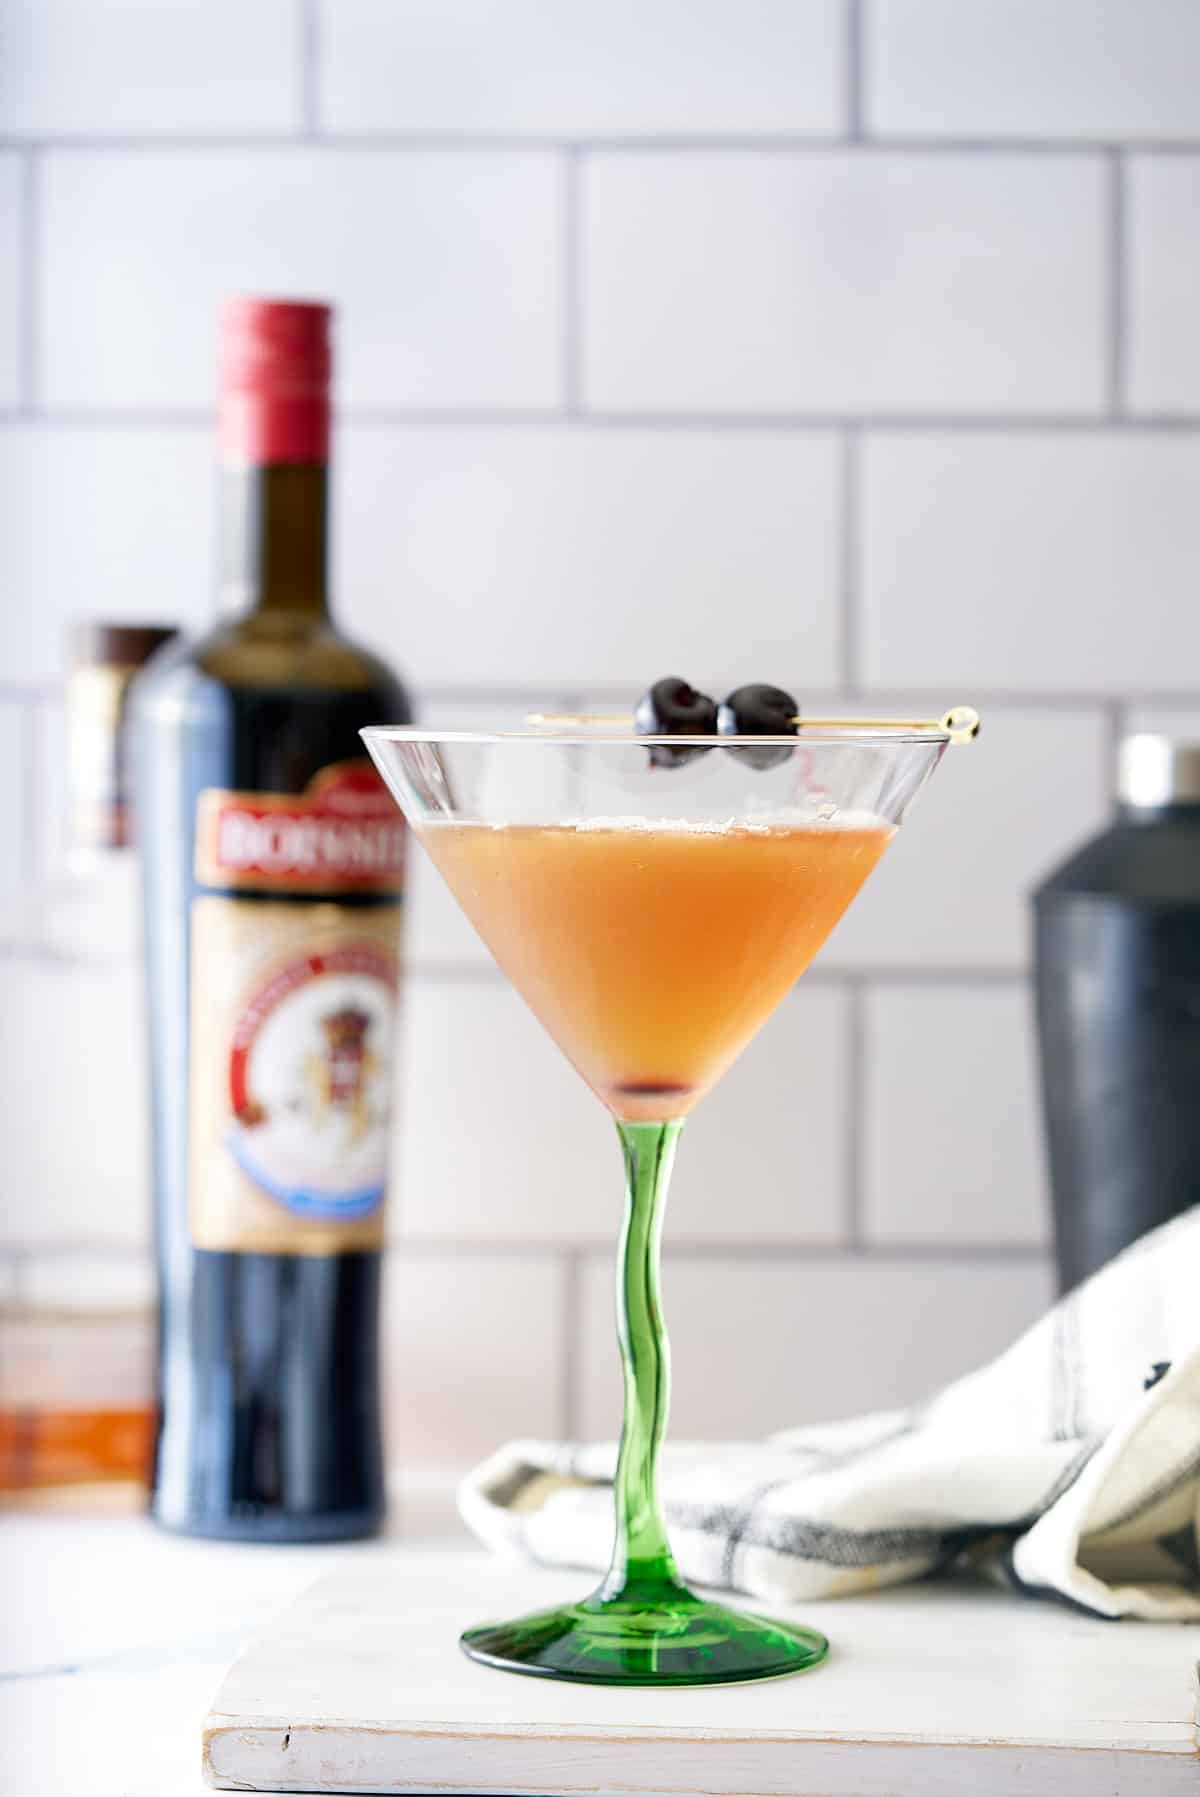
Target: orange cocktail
652,952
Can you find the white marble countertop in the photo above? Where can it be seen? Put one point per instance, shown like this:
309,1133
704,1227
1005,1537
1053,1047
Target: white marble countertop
115,1637
106,1621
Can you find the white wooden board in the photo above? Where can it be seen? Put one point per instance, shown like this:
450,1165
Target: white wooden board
930,1690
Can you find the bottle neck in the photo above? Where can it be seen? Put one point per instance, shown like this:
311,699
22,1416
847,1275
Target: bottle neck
274,540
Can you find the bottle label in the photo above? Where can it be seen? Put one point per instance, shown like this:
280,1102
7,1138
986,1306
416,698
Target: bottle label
342,834
293,1011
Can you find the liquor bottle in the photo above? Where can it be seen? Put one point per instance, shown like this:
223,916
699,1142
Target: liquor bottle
1117,936
90,911
83,906
76,1407
273,868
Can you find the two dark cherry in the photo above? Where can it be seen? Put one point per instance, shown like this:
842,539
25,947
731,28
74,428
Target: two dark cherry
673,708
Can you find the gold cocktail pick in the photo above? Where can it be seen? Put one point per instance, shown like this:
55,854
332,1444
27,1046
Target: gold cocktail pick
961,723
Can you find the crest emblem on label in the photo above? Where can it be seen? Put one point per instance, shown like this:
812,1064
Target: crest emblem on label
309,1078
295,939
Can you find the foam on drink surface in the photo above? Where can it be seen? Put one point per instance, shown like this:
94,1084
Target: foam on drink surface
768,823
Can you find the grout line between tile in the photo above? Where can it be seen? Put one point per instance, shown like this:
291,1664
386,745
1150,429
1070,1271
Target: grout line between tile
1082,424
586,1253
856,1098
771,143
33,822
31,690
30,283
1001,698
1031,146
64,1247
574,698
852,50
454,973
511,695
840,977
487,974
1115,284
13,1263
944,975
885,1252
572,283
889,1253
573,783
577,697
1114,729
310,67
850,559
499,1248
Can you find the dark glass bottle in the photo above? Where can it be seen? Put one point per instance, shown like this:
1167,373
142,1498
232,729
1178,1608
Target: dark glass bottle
272,882
1117,934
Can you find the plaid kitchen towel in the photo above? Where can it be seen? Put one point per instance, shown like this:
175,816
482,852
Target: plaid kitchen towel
1069,1467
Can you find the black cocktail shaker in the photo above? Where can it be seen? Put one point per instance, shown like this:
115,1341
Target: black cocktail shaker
1117,957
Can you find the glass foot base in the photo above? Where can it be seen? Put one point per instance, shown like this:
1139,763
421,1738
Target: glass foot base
624,1641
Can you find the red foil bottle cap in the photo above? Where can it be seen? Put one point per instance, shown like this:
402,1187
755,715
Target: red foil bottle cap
275,367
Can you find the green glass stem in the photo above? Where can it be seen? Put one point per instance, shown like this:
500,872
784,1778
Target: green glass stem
643,1626
643,1568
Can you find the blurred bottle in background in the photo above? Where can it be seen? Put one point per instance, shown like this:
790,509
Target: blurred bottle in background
76,1376
1117,945
77,1382
92,910
273,863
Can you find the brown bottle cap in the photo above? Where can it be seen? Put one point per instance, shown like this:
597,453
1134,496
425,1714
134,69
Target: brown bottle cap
95,643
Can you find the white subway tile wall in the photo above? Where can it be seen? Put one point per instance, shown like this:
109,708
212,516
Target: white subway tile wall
1026,563
1164,276
842,343
16,808
951,1152
112,1281
444,265
1163,720
73,1059
1096,69
765,1157
845,282
12,292
761,1338
579,557
580,68
70,68
952,890
49,823
473,1351
99,520
511,1147
502,1142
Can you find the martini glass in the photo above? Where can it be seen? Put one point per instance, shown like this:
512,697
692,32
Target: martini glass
652,899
